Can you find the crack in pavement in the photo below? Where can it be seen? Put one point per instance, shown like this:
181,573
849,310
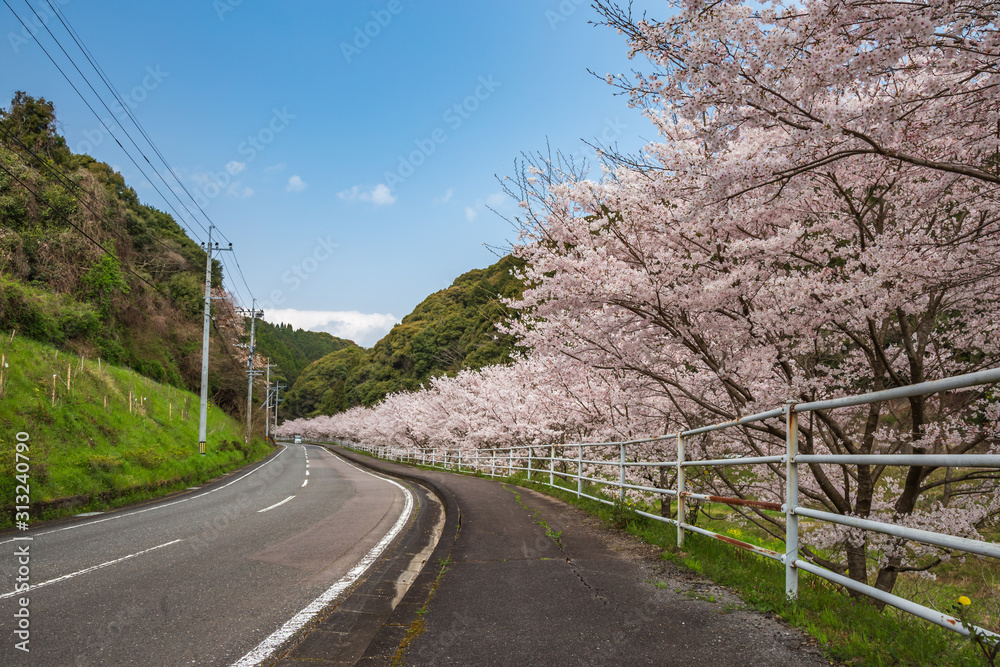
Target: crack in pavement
554,536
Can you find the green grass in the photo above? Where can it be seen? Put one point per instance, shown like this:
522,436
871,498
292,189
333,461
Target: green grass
850,630
536,517
85,457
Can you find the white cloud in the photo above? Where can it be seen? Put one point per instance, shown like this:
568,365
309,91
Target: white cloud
238,190
446,198
295,184
202,178
493,201
380,195
365,329
235,167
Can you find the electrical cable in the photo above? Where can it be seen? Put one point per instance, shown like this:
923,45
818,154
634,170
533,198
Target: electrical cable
237,365
85,234
89,56
100,72
103,76
106,107
68,183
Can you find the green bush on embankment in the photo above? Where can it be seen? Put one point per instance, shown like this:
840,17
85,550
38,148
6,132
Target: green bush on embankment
89,449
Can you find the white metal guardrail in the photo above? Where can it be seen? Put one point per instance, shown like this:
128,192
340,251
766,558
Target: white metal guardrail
508,460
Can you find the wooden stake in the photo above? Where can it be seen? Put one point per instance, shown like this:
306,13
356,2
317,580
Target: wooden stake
3,364
69,371
12,336
105,403
53,390
171,412
130,401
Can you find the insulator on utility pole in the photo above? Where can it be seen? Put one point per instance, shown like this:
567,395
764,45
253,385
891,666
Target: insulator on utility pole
203,417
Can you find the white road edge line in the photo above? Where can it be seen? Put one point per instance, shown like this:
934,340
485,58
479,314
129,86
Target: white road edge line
276,504
89,569
266,648
305,482
156,507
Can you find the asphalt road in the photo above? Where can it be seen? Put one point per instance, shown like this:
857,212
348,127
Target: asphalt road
208,578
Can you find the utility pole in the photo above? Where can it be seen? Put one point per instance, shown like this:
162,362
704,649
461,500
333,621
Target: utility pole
277,399
267,402
203,418
254,314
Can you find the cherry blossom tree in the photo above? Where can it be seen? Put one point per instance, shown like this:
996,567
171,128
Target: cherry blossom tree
913,82
820,218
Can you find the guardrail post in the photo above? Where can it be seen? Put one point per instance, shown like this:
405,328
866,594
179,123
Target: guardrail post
460,460
529,463
621,473
680,490
552,464
579,472
791,502
510,462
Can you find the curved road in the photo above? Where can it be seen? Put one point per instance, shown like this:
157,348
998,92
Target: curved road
208,578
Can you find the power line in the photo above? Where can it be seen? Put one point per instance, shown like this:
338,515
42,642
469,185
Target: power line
68,183
102,75
125,107
86,102
235,289
100,72
106,107
85,234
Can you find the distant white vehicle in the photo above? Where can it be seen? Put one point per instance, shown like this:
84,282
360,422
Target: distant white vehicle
298,440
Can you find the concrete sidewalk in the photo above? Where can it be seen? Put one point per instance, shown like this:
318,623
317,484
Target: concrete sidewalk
533,581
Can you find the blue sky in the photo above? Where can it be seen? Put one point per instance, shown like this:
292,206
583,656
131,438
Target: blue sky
348,150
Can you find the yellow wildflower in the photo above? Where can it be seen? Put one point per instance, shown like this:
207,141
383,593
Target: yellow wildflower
964,600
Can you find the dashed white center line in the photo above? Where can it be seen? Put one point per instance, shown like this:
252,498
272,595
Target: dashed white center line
267,647
305,482
90,569
275,505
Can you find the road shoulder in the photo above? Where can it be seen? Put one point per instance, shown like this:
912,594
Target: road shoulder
534,581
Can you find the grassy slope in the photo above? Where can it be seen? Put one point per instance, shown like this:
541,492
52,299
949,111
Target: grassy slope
103,457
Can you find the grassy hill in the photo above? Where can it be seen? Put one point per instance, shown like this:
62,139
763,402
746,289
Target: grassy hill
448,331
111,436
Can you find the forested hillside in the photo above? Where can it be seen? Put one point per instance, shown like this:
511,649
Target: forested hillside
85,266
448,331
294,349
